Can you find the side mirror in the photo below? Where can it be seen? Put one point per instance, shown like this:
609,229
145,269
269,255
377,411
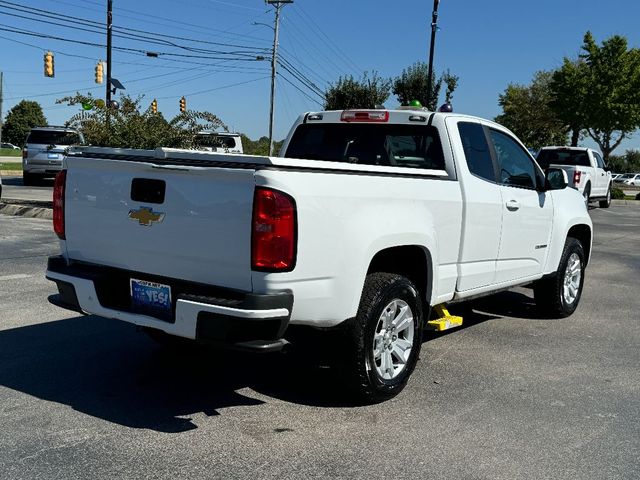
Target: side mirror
555,179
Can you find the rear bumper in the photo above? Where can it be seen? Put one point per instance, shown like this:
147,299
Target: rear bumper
201,312
42,166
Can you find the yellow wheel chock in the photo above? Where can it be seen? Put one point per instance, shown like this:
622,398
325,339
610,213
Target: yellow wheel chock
444,320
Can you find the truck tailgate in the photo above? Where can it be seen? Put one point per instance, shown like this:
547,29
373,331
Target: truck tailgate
198,230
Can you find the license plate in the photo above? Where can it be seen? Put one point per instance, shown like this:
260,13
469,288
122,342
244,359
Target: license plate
53,156
151,296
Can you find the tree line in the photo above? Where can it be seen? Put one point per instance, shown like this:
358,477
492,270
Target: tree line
596,95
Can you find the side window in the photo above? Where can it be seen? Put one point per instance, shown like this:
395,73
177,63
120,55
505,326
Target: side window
476,150
599,160
516,167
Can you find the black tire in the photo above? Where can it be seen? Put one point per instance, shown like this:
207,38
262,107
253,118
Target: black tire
606,203
380,290
29,179
587,194
549,292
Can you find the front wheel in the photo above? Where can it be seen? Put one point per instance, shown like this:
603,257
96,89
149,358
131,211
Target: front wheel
558,296
385,338
606,203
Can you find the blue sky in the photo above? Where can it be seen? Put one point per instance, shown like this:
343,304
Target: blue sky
487,44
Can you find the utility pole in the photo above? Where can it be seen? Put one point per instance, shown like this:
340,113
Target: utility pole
434,28
109,25
1,124
277,4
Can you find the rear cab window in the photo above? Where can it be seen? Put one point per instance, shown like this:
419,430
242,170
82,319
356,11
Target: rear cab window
398,145
574,158
50,137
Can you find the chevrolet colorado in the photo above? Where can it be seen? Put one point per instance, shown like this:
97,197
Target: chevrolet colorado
367,220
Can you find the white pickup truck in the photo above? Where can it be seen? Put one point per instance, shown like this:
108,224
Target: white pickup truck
368,220
585,169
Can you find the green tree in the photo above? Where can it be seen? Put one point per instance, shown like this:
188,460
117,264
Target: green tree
260,146
451,81
20,119
347,92
601,91
129,127
627,163
526,111
413,84
568,87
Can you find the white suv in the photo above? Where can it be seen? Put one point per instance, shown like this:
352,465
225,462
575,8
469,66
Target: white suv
44,150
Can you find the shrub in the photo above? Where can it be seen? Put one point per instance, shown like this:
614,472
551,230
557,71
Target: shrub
617,194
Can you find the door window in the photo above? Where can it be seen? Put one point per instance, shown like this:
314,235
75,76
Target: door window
599,160
476,150
516,167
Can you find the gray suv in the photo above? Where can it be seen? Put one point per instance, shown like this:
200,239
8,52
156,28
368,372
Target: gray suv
44,150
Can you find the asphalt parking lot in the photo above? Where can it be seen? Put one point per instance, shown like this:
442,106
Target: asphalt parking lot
509,395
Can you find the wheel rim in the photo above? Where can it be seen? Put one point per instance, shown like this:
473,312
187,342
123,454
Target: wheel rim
572,278
393,339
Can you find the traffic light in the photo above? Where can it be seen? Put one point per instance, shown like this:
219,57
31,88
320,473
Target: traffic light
154,106
49,70
183,105
99,71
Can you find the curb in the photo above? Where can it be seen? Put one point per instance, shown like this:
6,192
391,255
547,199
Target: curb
27,209
625,202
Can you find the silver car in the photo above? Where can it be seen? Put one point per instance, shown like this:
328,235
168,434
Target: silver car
44,150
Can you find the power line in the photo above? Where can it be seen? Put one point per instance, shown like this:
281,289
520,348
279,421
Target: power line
193,94
60,17
301,77
330,43
299,89
6,28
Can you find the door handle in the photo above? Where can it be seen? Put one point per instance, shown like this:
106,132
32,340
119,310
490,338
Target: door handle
513,205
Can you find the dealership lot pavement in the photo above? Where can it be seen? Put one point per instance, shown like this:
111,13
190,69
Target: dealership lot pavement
510,395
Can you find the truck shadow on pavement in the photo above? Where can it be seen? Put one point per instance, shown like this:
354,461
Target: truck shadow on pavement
104,368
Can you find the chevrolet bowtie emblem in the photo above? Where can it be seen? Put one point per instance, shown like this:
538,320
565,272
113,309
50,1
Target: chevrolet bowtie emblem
146,216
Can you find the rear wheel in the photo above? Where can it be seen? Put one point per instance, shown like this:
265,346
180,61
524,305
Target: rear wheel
29,179
606,203
586,194
385,338
558,296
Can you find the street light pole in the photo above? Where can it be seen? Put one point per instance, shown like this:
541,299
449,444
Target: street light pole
277,4
109,25
434,28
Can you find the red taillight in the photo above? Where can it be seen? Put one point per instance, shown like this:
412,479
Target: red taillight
273,231
365,116
576,176
24,153
58,203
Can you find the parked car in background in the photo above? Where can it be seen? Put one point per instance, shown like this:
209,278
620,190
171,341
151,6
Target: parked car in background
585,168
614,176
44,151
220,142
629,179
9,146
